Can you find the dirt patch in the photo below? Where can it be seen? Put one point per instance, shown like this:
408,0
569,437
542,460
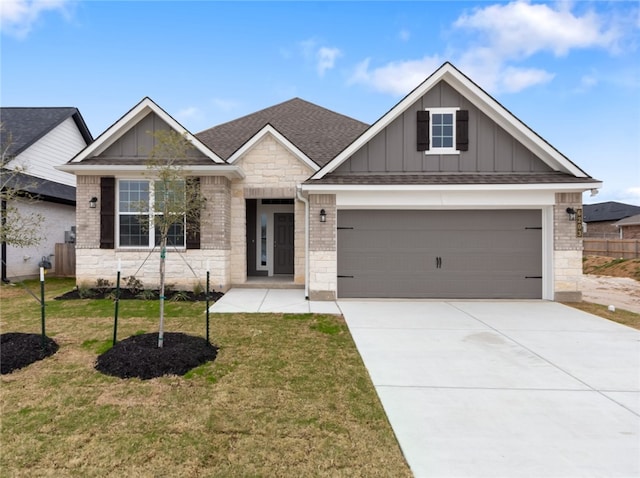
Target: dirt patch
607,266
610,281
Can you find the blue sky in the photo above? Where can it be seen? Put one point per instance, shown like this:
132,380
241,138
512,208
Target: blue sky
569,70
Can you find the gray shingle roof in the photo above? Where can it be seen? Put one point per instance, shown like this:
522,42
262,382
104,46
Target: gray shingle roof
42,188
22,127
608,211
452,178
318,132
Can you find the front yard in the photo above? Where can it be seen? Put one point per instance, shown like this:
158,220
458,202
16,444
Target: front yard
287,395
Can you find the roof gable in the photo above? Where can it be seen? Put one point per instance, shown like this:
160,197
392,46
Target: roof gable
316,132
23,127
129,121
479,99
270,130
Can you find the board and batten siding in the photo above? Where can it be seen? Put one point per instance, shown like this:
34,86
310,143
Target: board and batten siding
139,140
55,148
491,148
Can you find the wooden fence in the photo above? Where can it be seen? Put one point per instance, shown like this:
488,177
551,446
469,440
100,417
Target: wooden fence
65,260
618,248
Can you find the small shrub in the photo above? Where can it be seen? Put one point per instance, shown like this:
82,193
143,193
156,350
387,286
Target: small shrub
134,285
85,292
146,295
103,285
180,296
197,288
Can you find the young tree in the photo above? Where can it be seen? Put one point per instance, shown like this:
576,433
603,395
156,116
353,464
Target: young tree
19,228
176,199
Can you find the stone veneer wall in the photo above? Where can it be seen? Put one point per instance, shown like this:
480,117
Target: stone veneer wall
567,249
273,172
94,263
323,255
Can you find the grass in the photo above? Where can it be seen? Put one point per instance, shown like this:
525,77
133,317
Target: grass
287,396
621,316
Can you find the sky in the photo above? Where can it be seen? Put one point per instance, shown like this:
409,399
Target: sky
570,70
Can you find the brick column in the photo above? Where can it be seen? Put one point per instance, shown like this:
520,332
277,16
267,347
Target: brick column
567,249
323,282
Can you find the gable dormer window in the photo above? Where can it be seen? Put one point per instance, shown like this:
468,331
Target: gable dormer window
442,131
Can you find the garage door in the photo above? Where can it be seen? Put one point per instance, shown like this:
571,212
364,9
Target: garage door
440,254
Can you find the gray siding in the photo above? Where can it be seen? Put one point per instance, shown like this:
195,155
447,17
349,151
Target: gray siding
491,149
139,140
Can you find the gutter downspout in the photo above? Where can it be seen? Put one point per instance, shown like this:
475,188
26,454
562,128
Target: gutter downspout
306,239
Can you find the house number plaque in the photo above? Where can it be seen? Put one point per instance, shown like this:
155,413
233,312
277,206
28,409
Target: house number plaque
579,225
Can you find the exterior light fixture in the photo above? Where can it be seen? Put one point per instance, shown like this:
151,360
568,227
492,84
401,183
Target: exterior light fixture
93,202
572,213
323,215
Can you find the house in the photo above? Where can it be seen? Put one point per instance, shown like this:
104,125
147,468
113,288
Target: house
35,140
447,195
600,219
629,227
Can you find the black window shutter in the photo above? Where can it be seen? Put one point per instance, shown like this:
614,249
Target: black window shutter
462,130
193,219
107,212
422,122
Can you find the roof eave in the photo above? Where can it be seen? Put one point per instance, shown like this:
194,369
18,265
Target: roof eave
79,169
559,187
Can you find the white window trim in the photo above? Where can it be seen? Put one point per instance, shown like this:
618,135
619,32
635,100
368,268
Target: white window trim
432,149
151,214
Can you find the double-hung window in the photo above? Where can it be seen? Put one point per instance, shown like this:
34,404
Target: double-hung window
142,205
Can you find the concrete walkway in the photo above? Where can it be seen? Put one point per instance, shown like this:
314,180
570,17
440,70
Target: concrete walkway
492,388
503,389
271,300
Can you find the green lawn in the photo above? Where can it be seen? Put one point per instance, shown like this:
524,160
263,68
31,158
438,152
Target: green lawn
287,396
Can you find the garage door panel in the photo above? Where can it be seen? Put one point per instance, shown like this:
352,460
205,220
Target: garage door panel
440,254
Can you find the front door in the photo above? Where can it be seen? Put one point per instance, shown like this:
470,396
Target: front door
283,243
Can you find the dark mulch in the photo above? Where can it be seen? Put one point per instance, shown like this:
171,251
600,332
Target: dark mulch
139,356
17,350
126,294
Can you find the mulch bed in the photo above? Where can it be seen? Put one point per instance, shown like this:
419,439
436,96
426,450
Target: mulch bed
17,350
126,294
139,356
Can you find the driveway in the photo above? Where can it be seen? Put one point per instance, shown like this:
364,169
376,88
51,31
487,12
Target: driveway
503,388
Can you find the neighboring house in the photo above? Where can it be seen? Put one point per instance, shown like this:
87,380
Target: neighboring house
629,227
448,195
37,140
600,219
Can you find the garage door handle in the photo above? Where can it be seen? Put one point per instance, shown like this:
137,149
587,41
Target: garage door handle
345,277
438,262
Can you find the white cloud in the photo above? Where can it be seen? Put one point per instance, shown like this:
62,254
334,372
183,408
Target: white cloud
404,35
224,104
517,79
188,113
326,59
396,78
323,57
520,29
17,17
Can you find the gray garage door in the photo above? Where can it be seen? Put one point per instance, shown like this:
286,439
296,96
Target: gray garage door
440,254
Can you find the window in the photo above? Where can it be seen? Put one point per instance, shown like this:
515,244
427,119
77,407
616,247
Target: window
442,131
140,212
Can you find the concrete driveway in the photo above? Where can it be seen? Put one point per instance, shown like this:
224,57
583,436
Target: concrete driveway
503,389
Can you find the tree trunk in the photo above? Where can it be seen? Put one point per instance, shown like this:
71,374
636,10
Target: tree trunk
163,253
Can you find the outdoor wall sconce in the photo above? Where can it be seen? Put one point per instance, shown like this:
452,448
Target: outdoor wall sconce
93,202
323,215
572,213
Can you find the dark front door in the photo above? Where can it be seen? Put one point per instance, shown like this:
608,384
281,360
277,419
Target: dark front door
283,243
